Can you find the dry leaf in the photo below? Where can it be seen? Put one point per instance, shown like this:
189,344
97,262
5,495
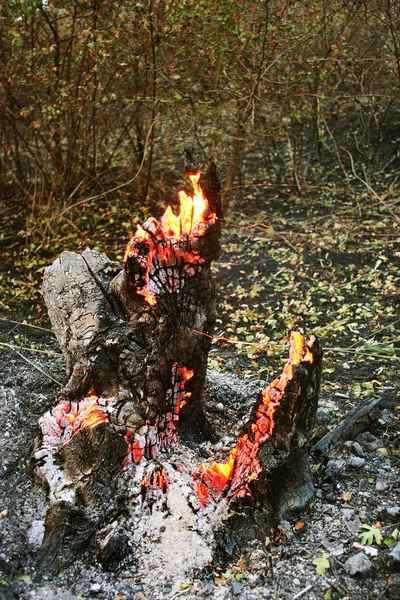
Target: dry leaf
346,496
236,569
185,586
220,581
299,525
242,564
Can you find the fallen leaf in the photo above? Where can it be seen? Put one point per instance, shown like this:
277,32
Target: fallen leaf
382,452
220,581
185,586
299,525
346,496
236,569
322,563
25,578
3,514
370,534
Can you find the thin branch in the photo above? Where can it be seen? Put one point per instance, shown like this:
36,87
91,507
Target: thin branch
118,187
37,350
26,325
370,189
33,364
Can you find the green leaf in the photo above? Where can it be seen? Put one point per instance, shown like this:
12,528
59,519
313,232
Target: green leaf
322,563
391,540
239,576
370,534
25,578
227,574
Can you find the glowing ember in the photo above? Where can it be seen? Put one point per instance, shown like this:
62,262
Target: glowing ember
243,466
156,478
65,419
167,244
153,438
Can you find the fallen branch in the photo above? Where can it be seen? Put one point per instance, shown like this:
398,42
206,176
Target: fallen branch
357,419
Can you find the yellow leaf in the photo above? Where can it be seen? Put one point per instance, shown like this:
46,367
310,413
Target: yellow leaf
185,586
346,496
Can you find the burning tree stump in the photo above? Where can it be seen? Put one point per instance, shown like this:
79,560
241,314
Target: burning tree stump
136,340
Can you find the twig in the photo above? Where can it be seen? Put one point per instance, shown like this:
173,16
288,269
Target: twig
27,325
230,340
118,187
387,586
289,185
37,350
359,352
370,189
300,594
36,367
262,347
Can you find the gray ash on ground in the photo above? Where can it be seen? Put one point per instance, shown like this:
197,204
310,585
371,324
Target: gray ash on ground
356,484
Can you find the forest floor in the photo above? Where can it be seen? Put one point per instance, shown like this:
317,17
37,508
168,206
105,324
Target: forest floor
327,262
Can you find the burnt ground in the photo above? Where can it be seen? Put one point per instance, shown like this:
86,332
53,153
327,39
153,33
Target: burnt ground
327,262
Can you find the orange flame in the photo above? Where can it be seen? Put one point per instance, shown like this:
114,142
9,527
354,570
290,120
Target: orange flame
155,243
192,214
243,465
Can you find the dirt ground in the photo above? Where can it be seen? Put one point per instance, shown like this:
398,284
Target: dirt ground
327,262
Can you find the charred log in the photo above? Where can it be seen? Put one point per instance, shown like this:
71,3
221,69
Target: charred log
135,354
358,419
267,477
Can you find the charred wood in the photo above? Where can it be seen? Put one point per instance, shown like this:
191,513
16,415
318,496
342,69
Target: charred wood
267,476
358,419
